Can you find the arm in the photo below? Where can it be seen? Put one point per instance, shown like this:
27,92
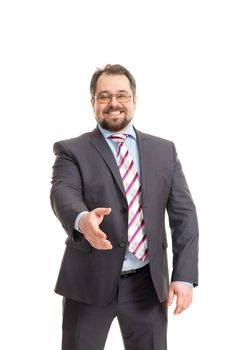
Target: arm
66,192
67,201
184,229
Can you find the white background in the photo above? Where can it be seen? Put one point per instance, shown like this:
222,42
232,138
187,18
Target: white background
181,55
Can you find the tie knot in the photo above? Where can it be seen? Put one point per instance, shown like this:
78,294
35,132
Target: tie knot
118,138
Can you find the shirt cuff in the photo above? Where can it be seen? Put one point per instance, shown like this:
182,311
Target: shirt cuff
182,282
76,223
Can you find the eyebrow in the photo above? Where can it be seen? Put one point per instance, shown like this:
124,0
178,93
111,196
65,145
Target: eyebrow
109,92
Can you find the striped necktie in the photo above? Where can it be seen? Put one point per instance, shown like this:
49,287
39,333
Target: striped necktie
136,228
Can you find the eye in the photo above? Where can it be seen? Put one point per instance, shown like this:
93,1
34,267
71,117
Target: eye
103,97
123,97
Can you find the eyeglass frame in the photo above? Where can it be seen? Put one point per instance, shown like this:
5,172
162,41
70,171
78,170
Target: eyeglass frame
111,96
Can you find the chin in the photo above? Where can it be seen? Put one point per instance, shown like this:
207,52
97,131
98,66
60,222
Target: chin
111,126
115,124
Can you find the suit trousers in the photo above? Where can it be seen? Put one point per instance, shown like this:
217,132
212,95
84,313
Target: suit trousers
142,318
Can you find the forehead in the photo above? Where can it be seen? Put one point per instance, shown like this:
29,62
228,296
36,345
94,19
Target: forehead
112,83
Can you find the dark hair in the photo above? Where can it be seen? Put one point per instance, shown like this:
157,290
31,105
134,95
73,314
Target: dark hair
112,69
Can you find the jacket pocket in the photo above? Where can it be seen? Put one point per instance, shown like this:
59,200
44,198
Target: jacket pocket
80,244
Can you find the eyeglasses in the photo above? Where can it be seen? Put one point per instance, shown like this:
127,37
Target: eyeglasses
105,98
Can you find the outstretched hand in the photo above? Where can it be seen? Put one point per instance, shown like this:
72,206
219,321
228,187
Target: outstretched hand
183,293
89,226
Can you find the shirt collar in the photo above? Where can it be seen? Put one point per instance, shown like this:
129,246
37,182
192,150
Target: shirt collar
129,131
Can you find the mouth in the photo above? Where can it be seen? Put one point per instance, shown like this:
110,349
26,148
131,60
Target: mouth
114,112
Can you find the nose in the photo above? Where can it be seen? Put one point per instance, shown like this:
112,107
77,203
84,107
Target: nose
114,101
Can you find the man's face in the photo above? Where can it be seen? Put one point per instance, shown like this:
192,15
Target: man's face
113,115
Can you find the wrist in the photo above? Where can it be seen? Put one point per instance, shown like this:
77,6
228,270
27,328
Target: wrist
79,222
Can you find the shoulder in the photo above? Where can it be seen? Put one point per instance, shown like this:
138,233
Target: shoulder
157,147
155,140
68,145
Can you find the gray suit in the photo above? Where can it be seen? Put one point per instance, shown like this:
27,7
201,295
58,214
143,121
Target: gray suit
85,177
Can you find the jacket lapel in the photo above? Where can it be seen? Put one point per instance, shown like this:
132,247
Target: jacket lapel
144,163
99,143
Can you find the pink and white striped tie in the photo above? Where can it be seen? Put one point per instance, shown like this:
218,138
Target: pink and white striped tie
136,228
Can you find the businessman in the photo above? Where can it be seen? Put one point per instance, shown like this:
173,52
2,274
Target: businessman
110,190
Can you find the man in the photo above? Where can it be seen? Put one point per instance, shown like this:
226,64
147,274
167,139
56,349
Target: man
110,190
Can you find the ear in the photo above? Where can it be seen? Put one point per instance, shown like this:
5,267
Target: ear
92,101
134,100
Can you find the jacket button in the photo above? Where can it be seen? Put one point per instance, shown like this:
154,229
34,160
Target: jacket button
124,210
122,244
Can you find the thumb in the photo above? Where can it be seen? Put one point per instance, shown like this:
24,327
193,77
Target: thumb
102,211
170,296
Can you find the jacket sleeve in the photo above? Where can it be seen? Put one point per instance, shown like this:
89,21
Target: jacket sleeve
184,228
66,192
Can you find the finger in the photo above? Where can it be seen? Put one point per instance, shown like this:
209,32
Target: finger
178,310
179,305
106,244
102,211
100,234
100,241
183,301
187,302
170,297
102,244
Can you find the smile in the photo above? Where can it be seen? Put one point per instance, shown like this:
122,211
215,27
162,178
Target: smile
114,113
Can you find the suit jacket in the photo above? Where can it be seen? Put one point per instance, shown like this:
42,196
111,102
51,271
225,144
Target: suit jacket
85,177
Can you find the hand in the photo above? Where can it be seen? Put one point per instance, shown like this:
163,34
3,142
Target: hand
184,294
89,226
